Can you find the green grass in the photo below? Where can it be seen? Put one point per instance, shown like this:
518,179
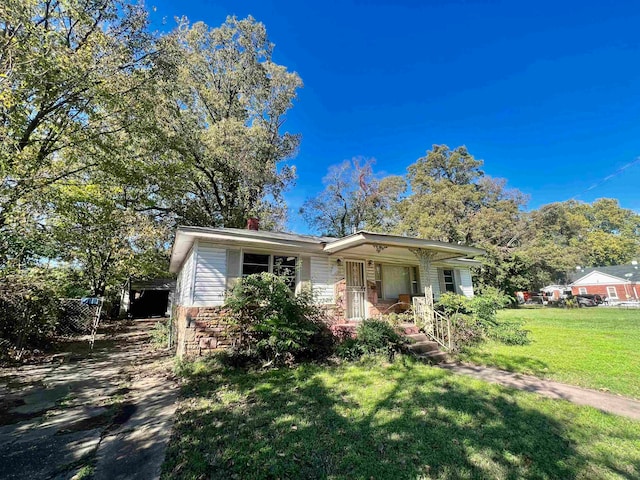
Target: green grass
398,421
591,347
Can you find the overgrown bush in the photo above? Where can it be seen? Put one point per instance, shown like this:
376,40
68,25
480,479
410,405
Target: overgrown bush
29,313
510,333
475,318
274,325
373,337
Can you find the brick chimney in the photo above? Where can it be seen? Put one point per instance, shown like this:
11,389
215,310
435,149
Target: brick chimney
253,223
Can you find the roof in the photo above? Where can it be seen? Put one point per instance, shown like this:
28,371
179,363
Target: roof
387,240
186,237
627,272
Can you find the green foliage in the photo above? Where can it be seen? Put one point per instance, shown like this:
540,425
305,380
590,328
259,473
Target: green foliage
275,325
373,337
160,334
473,319
510,333
225,139
29,312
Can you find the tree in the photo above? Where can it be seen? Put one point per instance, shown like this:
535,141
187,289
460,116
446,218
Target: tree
220,118
67,73
353,198
70,74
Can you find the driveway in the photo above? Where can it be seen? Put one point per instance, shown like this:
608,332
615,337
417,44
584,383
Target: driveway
105,413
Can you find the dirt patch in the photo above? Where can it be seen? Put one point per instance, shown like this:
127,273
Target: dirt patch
90,423
124,413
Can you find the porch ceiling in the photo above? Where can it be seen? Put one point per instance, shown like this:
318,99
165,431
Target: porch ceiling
370,244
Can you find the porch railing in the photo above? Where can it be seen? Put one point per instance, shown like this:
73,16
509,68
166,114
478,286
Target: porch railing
434,324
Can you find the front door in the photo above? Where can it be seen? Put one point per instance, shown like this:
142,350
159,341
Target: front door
356,290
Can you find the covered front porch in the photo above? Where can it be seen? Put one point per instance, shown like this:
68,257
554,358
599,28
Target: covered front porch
379,273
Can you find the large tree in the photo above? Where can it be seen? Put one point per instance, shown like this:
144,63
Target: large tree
220,120
354,198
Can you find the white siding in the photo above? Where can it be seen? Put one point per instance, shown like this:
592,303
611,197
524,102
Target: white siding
434,280
184,283
210,275
323,279
465,282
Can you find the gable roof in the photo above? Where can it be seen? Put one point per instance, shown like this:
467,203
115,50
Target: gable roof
186,237
625,273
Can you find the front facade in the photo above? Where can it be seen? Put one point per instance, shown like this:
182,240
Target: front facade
617,283
356,277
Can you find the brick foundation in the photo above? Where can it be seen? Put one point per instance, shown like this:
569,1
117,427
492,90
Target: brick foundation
202,330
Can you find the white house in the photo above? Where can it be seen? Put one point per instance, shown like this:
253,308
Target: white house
356,277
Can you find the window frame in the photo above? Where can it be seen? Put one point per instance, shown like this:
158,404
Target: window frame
615,292
582,290
453,280
414,278
272,266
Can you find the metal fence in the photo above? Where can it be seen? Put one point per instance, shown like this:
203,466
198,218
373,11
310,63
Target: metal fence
78,316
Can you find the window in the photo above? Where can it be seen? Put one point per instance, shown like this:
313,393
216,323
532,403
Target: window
285,267
611,292
393,280
582,291
281,265
449,282
254,263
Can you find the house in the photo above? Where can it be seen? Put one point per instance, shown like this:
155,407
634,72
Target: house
619,283
353,278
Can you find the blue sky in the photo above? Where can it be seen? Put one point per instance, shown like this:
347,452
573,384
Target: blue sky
546,93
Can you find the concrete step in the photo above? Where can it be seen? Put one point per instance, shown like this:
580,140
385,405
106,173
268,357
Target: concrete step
408,329
434,358
417,338
424,347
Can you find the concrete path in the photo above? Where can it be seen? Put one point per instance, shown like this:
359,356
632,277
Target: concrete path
606,402
106,412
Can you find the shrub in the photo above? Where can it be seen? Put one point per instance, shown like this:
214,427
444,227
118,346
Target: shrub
474,318
160,334
29,312
510,333
275,325
375,337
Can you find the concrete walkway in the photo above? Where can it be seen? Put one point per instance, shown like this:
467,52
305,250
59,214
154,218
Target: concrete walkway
606,402
108,411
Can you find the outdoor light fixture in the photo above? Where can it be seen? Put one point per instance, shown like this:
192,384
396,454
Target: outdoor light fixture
339,262
370,263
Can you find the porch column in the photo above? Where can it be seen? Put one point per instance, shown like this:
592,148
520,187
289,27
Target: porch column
425,258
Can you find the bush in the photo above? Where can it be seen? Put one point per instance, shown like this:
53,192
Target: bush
276,326
29,313
510,333
475,318
373,337
160,335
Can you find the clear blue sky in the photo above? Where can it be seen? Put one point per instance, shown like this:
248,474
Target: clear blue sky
546,93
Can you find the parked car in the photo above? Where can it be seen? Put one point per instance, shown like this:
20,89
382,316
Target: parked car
588,300
597,299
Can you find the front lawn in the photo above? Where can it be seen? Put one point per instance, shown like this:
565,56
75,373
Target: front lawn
400,421
591,347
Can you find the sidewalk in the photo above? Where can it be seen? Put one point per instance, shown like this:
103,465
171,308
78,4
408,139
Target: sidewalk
606,402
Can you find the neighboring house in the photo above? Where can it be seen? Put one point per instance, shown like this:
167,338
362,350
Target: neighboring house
355,277
619,283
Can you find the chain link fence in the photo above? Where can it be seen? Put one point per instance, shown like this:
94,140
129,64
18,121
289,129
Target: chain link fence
78,316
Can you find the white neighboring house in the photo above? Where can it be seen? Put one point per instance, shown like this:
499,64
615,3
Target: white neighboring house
356,277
